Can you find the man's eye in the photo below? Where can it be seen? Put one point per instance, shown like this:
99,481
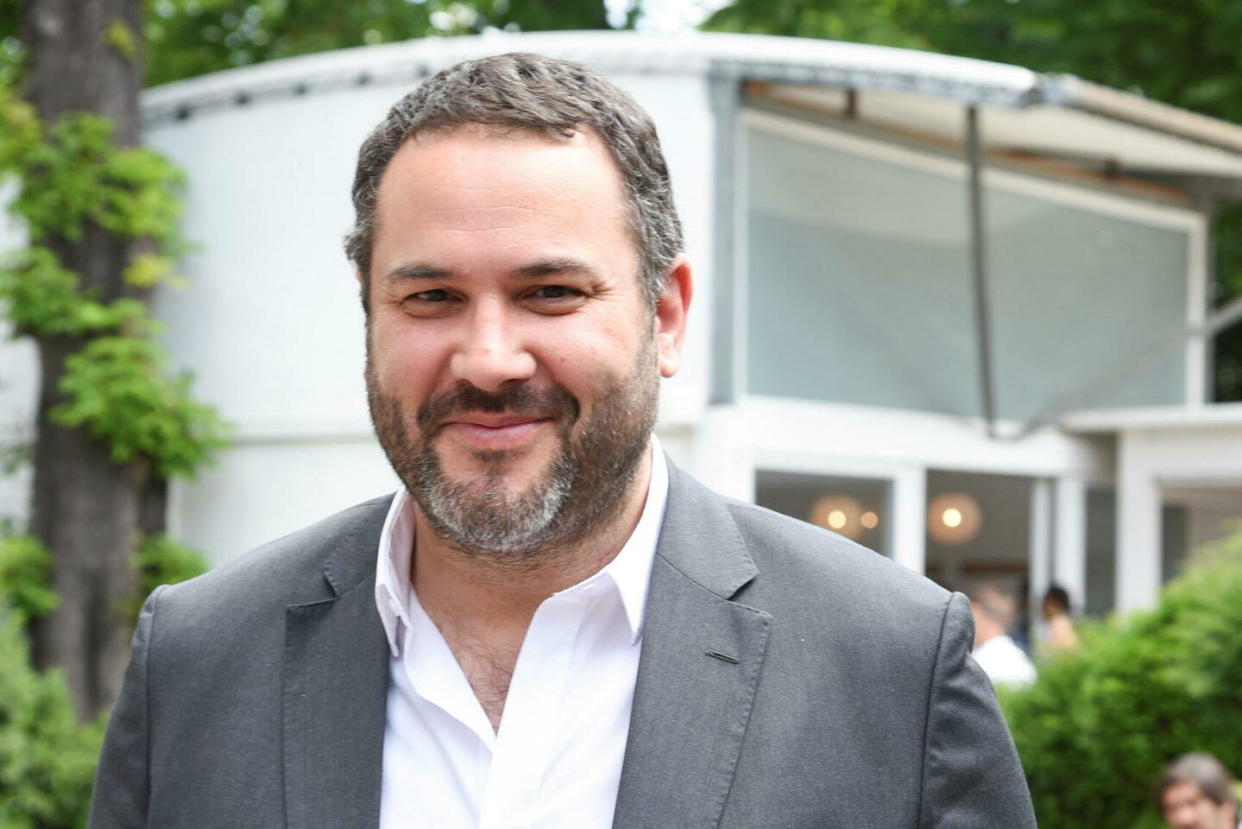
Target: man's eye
434,295
556,292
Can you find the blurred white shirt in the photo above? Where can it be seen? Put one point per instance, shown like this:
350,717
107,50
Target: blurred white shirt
556,759
1004,662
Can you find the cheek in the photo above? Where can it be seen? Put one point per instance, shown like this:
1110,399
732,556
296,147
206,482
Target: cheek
584,363
401,353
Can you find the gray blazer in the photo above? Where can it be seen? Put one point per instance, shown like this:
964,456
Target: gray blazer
788,678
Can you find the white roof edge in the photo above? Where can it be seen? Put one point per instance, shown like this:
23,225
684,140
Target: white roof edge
742,56
754,57
1154,418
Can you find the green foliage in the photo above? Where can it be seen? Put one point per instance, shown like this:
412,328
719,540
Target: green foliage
117,385
192,37
1097,727
1182,53
77,175
1228,249
19,130
1228,364
9,12
867,21
118,388
71,177
47,760
44,298
119,37
25,578
150,269
162,560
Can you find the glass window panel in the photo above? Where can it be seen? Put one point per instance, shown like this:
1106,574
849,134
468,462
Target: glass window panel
860,291
857,274
1088,308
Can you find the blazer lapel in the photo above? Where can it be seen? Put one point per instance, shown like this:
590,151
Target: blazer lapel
701,658
335,699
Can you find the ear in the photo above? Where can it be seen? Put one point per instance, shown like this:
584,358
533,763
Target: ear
670,315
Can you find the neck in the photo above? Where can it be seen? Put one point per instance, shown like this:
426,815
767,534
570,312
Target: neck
479,590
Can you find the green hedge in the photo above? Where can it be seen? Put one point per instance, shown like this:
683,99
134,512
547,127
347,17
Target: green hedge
47,760
1097,727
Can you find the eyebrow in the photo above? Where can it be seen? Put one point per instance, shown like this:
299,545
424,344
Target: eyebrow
551,267
537,270
414,271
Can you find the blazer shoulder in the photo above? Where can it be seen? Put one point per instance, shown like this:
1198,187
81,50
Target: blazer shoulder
318,562
805,572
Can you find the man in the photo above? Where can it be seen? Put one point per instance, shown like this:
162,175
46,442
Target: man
549,626
1196,792
999,656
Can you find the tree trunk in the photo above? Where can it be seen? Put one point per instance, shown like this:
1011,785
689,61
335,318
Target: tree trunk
87,511
85,57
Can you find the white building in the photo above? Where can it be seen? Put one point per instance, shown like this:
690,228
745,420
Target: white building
955,309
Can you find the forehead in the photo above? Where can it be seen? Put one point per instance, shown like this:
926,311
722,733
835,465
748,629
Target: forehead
476,162
1183,791
481,200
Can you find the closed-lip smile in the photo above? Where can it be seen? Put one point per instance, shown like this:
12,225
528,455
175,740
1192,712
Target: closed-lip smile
495,432
500,420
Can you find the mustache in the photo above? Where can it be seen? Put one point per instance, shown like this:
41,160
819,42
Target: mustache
516,397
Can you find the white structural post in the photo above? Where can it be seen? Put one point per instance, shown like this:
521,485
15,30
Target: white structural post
909,521
1040,536
1138,535
723,454
1069,549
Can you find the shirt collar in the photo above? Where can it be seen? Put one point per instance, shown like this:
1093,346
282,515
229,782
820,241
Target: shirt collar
629,570
392,569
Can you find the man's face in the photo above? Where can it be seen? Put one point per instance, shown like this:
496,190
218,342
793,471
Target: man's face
512,365
1185,806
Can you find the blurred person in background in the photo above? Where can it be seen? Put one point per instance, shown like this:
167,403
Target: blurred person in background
1195,791
1059,632
995,651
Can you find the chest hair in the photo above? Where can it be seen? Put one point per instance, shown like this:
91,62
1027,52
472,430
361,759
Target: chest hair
489,670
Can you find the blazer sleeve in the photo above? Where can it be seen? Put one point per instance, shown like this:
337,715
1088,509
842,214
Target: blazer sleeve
122,780
971,773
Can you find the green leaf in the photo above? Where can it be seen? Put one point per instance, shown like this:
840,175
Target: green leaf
161,560
119,37
44,300
25,578
117,388
148,270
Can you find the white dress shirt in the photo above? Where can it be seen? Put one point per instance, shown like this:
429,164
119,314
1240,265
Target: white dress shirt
556,759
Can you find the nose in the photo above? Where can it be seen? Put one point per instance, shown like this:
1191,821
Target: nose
492,350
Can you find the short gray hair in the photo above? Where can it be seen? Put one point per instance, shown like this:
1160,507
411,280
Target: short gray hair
1202,769
530,92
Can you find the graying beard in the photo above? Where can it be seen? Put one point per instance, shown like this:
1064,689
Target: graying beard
519,523
548,518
